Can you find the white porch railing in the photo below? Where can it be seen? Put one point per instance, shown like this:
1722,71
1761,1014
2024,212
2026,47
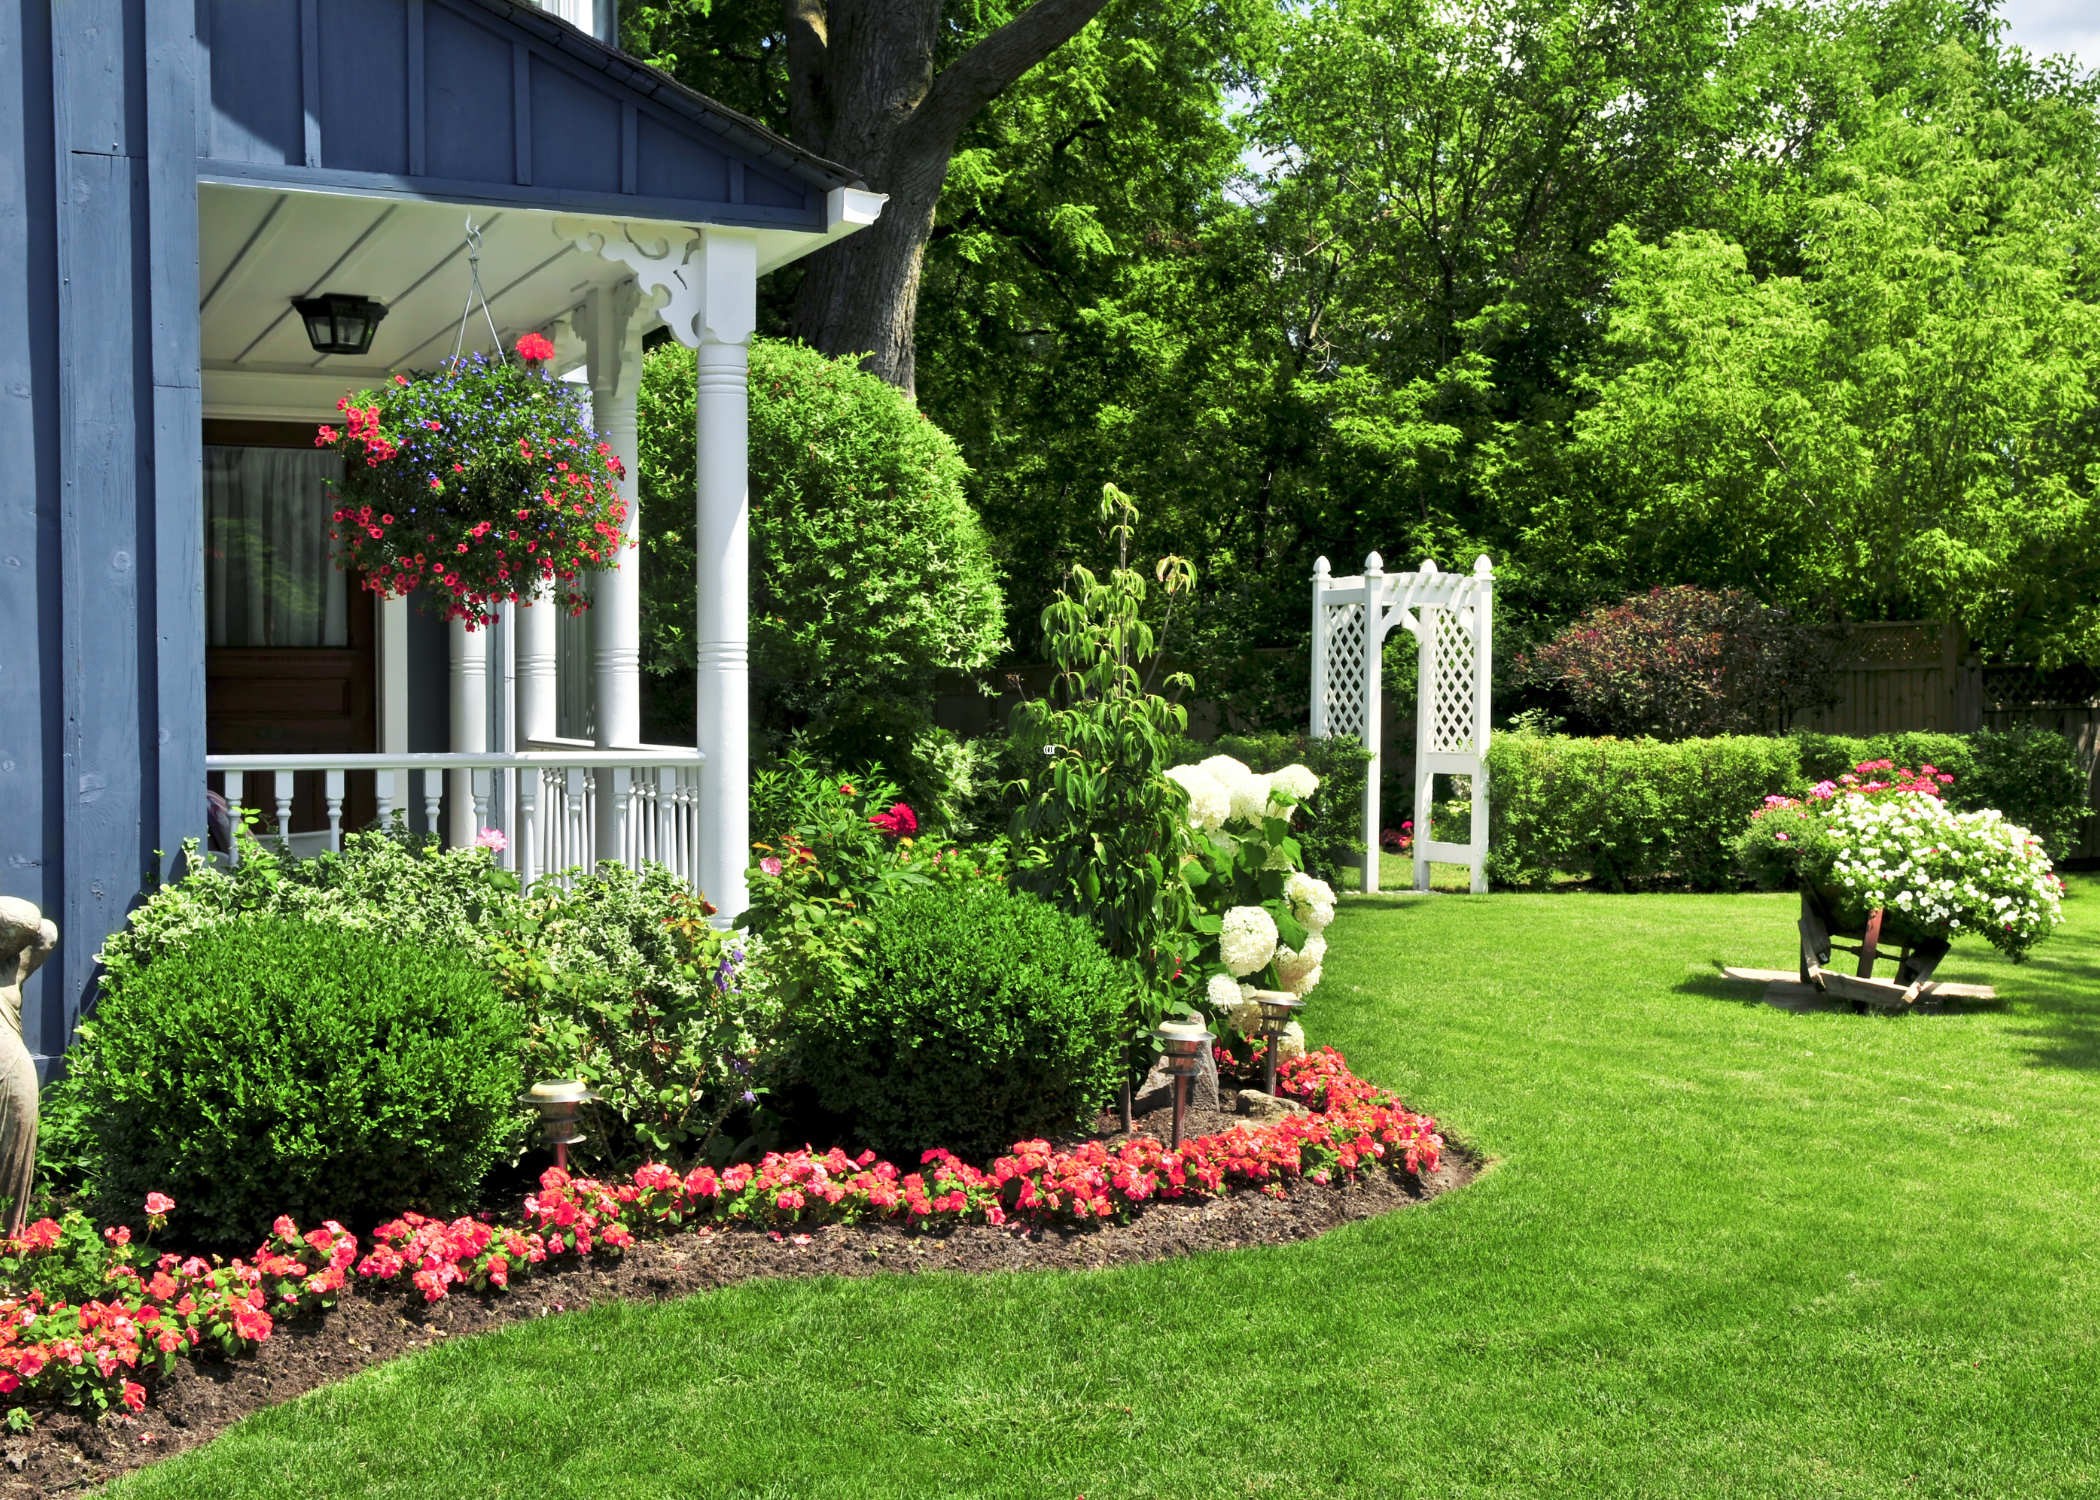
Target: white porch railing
544,803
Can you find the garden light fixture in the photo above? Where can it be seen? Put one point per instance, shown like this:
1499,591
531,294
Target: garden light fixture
1181,1043
560,1104
1277,1009
338,323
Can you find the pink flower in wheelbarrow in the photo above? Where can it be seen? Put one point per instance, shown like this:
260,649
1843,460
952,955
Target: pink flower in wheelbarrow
492,839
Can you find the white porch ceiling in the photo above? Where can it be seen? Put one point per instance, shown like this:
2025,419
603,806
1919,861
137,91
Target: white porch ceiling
261,247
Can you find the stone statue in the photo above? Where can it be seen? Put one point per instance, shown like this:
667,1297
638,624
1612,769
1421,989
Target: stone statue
26,940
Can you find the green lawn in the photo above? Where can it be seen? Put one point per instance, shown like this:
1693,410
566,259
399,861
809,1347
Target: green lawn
1726,1250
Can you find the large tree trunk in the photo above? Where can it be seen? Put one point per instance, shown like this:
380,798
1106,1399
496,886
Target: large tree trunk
862,91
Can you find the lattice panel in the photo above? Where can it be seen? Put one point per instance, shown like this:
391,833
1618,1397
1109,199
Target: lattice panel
1451,712
1344,687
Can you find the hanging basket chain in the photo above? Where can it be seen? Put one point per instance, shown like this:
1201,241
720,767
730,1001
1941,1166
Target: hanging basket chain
474,290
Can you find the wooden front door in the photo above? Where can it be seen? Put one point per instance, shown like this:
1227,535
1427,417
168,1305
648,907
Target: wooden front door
290,659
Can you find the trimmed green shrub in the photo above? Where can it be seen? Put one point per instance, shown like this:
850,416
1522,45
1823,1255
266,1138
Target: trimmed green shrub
982,1017
270,1066
1645,811
869,570
2034,777
1627,811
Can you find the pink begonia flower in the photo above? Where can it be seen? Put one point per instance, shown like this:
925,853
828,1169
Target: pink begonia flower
770,865
491,838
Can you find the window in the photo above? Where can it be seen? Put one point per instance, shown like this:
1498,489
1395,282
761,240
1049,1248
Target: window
269,578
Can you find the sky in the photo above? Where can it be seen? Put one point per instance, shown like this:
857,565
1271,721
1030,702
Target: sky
2044,27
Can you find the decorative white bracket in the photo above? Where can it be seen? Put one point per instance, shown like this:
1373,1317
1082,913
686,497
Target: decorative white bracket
1451,617
703,283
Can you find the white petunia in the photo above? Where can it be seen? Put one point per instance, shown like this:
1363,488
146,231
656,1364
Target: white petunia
1247,940
1209,802
1300,971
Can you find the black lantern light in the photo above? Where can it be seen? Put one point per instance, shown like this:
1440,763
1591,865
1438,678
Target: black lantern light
340,324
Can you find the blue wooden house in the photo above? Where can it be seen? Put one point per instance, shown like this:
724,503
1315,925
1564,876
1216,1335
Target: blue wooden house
217,218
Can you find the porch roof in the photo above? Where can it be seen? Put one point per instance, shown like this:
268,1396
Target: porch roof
344,144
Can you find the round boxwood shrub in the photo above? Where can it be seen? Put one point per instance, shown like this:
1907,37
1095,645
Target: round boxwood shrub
269,1066
983,1017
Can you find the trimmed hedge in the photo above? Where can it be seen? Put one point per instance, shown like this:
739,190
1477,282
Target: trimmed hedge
1628,812
984,1017
272,1066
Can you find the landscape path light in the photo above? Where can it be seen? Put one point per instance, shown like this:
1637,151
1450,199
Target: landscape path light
1181,1043
1278,1007
560,1104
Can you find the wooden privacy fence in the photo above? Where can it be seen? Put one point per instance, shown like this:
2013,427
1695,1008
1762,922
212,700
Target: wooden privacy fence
1899,676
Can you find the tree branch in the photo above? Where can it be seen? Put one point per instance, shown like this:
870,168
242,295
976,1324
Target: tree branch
981,74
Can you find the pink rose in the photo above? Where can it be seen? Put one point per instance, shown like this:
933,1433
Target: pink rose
491,838
770,865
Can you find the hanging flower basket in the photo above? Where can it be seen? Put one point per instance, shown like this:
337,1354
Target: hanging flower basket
478,482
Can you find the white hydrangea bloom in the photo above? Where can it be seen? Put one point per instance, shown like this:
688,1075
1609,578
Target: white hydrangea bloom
1226,844
1277,860
1312,900
1248,939
1250,799
1300,971
1224,992
1297,780
1249,792
1291,1044
1209,803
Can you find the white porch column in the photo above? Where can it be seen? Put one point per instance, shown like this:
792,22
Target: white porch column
704,285
536,689
470,726
612,336
722,534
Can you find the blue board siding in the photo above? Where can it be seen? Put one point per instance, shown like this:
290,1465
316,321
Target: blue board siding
100,199
256,110
31,716
364,86
575,132
458,101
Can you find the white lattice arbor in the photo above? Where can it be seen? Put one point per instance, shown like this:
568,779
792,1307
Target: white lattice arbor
1451,617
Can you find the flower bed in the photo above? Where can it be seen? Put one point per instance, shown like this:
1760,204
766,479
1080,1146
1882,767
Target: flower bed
89,1352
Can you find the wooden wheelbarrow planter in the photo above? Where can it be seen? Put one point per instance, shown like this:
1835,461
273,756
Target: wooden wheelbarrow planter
1912,987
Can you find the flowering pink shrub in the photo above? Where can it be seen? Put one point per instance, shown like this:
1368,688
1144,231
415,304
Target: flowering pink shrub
52,1351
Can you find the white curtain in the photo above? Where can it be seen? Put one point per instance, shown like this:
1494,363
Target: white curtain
268,577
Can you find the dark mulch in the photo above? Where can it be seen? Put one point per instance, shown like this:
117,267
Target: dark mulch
69,1451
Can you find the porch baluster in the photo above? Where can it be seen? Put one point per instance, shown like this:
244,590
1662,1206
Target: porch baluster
433,802
481,800
579,823
333,790
281,787
528,829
